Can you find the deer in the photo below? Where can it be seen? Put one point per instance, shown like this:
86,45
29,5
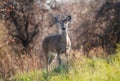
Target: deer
59,43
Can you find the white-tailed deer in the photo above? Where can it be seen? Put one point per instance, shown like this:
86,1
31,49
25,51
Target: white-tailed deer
58,43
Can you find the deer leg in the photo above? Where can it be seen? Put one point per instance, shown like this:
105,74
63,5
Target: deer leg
53,62
59,59
47,62
50,59
47,65
66,54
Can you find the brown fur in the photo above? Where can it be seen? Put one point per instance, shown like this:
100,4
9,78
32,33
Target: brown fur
57,43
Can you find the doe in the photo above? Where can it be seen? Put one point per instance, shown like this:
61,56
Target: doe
58,44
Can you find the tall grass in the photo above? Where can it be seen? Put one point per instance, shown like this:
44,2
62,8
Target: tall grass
85,69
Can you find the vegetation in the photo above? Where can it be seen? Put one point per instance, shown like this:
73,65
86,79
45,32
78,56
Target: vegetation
94,31
86,69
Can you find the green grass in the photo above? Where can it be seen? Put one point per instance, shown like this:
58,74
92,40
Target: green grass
86,69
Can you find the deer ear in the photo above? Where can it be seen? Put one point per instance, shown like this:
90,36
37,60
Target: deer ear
69,18
55,20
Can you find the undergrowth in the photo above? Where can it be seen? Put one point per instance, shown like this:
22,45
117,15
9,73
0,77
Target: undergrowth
85,69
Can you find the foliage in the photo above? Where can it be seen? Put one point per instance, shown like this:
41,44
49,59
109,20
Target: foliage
86,69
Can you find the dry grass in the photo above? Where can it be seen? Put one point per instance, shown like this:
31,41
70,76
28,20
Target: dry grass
84,69
11,62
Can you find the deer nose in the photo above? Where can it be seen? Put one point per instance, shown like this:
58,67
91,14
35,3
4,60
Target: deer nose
63,28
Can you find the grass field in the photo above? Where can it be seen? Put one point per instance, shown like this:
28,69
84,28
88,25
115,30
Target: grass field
85,69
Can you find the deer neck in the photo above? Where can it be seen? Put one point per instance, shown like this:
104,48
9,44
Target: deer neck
64,36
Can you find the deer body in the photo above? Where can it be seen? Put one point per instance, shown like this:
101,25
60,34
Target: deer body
58,44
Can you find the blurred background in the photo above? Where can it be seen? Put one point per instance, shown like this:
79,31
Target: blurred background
94,30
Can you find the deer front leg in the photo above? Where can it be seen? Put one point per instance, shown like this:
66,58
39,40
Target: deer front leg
67,54
67,57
